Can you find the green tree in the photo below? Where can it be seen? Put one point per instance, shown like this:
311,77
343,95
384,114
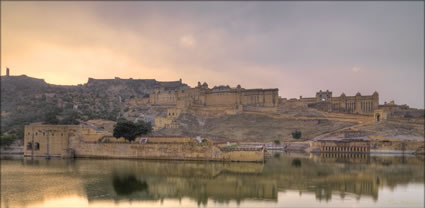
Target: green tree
276,141
130,130
296,134
7,140
50,118
70,118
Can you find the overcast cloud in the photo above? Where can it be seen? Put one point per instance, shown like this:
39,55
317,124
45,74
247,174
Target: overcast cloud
298,47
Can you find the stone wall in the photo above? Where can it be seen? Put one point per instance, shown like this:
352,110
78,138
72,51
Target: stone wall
41,140
56,140
175,151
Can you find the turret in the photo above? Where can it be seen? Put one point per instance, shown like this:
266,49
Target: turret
205,85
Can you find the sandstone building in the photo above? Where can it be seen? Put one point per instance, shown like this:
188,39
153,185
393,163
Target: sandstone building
53,140
360,104
220,96
78,141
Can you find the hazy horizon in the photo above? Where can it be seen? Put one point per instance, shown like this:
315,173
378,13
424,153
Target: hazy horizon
298,47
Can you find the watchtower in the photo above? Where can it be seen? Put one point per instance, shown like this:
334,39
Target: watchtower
323,96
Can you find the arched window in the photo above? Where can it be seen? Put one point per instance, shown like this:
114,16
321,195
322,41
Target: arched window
29,146
37,146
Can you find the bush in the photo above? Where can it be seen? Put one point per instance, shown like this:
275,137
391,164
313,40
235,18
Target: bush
70,118
276,141
130,130
7,140
296,134
50,118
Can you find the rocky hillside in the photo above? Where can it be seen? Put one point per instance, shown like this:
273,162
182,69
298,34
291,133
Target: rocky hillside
98,103
253,127
25,100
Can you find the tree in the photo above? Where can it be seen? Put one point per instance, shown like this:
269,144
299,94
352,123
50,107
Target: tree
70,118
276,141
7,140
50,118
130,130
296,134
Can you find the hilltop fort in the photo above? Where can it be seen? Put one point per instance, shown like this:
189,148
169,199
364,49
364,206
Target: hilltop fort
221,113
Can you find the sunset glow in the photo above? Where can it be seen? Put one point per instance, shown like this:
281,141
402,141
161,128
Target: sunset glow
298,47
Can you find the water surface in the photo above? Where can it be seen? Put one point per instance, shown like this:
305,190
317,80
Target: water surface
289,180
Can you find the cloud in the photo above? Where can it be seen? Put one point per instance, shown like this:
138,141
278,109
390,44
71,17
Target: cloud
252,44
187,41
355,69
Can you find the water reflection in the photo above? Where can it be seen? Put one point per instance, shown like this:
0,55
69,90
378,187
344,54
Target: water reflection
26,182
128,185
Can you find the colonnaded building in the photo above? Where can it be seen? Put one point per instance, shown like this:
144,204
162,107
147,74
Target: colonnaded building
361,104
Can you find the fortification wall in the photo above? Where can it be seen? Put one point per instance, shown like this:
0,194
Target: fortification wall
41,140
170,139
183,151
221,98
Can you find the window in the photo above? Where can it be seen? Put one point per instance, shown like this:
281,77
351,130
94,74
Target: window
36,133
37,146
29,133
29,146
61,134
44,134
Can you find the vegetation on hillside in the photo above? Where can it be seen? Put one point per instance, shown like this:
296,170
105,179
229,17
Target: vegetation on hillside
26,100
296,134
130,130
7,140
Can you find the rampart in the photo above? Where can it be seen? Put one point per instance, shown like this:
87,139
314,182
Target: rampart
77,141
165,151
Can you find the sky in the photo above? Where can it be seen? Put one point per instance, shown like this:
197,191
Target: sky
298,47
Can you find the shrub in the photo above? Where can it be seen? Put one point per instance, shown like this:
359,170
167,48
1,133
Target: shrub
7,140
130,130
276,141
296,134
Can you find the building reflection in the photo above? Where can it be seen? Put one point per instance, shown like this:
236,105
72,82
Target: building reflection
325,176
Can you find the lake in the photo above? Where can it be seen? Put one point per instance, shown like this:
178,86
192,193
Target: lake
285,180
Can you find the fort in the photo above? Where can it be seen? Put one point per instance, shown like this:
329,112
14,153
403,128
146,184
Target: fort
219,98
359,104
77,141
222,113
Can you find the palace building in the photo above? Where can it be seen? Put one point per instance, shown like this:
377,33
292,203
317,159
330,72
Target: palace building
360,104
